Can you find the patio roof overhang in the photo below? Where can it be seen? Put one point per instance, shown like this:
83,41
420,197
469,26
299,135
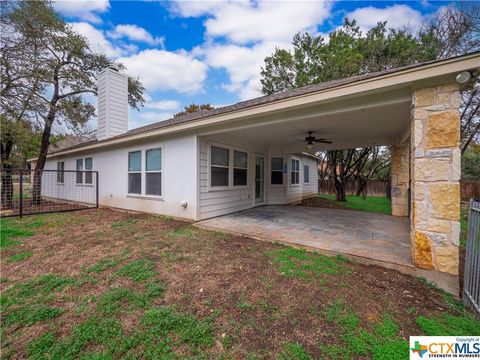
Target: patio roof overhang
358,120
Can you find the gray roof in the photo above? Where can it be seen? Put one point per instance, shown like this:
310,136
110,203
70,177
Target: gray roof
254,102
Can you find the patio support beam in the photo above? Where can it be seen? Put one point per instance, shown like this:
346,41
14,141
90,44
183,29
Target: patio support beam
435,174
400,179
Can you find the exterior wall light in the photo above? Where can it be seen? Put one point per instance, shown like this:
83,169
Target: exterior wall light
464,77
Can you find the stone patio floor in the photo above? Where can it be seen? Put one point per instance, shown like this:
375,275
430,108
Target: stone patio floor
381,238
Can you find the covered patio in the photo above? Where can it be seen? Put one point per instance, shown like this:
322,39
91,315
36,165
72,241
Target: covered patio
380,238
414,111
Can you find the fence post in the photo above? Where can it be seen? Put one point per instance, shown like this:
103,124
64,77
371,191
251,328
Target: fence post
20,210
96,194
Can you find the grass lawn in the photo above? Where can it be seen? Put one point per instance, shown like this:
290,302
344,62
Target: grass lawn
370,204
102,284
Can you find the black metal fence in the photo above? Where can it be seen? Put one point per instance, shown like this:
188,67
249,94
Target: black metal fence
471,284
26,192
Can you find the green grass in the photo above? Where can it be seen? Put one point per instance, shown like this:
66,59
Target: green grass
160,331
103,264
30,302
294,351
302,264
381,342
138,270
369,204
9,236
20,256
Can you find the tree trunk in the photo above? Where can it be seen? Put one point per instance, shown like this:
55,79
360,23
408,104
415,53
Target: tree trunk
7,183
340,193
42,156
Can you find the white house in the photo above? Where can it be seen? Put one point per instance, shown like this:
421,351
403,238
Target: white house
206,164
188,173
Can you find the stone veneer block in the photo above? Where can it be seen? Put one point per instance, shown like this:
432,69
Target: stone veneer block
425,97
445,201
443,129
432,169
446,259
423,251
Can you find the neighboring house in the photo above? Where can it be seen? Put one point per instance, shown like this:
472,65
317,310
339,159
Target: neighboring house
206,164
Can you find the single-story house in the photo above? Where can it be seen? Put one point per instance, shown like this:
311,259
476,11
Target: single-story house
211,163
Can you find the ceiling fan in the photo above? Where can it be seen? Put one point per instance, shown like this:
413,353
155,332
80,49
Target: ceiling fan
310,139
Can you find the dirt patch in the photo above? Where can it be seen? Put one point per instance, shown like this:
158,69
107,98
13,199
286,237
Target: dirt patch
254,307
319,202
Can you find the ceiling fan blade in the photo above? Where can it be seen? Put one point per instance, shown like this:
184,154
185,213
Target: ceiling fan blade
323,141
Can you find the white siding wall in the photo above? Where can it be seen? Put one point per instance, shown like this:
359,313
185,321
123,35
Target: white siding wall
112,103
214,202
185,177
179,177
296,193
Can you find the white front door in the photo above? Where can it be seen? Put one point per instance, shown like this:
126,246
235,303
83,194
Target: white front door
259,179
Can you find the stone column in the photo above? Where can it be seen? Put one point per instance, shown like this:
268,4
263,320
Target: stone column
435,174
400,177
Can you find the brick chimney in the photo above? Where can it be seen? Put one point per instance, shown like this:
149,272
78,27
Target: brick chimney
112,103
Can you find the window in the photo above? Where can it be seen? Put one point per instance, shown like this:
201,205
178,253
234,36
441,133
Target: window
277,171
79,172
88,169
135,172
306,174
219,169
240,165
60,173
153,172
295,172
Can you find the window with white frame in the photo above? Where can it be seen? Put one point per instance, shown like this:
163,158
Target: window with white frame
276,176
219,166
228,167
153,172
79,173
60,172
295,173
240,166
135,172
306,174
88,170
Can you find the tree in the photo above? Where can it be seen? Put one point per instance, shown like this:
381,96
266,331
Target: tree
194,108
349,52
65,70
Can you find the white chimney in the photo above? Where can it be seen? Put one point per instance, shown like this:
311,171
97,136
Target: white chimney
112,103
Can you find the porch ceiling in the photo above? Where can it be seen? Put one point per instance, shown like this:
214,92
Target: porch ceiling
378,119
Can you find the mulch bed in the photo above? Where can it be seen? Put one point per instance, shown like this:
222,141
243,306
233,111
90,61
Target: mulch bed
209,274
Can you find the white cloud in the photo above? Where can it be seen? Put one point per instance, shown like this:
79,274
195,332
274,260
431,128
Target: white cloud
240,34
163,105
155,116
98,42
396,16
86,10
163,70
135,33
250,21
266,20
242,64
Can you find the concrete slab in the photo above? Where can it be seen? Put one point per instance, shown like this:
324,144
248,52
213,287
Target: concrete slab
378,237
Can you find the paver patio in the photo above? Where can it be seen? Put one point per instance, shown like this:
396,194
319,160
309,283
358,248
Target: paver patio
378,237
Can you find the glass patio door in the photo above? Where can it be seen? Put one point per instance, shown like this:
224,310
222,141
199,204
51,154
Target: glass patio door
259,179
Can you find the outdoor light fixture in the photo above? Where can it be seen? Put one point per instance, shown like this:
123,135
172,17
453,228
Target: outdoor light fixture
310,146
464,77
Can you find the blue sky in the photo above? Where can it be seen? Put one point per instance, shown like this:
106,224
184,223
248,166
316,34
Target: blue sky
207,51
